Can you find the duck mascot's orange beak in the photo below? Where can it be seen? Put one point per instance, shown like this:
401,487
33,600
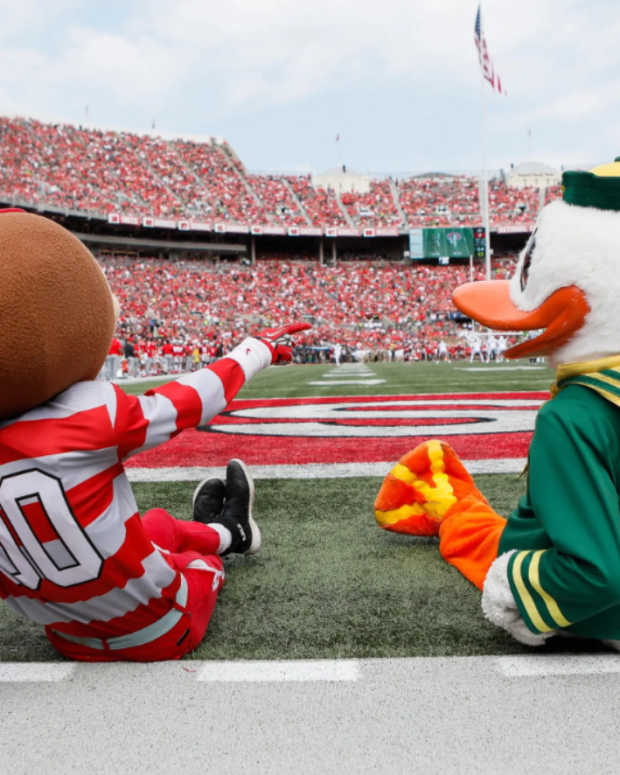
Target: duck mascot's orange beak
560,315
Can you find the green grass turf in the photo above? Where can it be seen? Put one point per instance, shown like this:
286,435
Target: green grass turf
328,582
400,378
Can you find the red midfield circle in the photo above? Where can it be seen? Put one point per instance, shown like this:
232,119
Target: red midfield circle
357,429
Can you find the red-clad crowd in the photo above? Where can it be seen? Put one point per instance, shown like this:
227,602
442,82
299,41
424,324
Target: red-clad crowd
177,315
513,205
378,207
104,172
321,205
440,201
553,192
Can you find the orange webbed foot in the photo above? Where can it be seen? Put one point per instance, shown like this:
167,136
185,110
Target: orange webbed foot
421,488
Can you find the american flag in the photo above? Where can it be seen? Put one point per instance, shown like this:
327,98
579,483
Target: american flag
488,71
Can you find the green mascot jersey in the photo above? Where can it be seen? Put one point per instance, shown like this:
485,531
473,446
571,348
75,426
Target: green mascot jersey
566,528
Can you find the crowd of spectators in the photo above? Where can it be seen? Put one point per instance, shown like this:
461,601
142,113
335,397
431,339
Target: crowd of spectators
320,204
440,201
514,205
177,314
377,207
280,204
102,172
553,192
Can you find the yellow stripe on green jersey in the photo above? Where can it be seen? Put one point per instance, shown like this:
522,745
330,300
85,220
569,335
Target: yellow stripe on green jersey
602,376
601,383
541,608
566,527
552,606
515,574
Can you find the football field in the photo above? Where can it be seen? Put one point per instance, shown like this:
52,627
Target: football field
339,647
328,583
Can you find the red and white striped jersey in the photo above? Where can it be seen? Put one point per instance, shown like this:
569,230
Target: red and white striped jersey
73,552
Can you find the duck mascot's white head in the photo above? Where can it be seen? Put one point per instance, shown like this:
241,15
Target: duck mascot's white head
551,567
563,282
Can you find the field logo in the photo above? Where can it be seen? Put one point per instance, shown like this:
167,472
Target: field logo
381,416
353,433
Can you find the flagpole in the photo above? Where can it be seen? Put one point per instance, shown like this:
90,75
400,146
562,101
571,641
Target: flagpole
486,72
484,204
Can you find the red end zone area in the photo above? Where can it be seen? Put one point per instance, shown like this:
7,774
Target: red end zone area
355,429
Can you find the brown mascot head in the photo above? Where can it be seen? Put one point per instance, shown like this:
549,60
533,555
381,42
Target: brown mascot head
57,313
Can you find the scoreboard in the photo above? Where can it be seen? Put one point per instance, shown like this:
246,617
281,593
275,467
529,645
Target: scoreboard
445,243
479,243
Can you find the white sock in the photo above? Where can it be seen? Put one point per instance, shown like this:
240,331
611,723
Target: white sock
224,534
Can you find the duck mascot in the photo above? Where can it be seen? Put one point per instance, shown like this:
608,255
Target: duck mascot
553,566
76,556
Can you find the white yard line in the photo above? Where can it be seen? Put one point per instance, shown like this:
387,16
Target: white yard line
311,470
347,382
544,665
280,670
316,670
489,367
35,672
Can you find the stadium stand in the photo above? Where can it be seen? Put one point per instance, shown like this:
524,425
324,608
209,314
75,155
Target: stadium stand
513,205
100,172
321,206
280,203
440,201
375,208
552,192
375,310
179,313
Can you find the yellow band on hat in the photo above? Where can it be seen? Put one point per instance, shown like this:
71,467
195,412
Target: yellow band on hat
611,170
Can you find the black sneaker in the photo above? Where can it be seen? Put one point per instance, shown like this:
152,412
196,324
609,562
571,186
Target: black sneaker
237,512
208,501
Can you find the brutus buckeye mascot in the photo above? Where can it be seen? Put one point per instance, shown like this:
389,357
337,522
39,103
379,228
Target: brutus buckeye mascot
75,554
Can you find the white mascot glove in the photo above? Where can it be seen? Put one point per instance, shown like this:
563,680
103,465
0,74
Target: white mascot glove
273,345
500,608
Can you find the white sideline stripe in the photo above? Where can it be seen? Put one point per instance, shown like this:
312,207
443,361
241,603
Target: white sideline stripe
280,670
541,665
500,368
311,470
318,670
35,672
349,375
351,381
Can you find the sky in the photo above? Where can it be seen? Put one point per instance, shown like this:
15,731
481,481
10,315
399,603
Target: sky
383,86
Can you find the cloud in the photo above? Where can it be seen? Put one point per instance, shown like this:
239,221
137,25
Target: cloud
278,51
212,66
26,19
249,52
128,67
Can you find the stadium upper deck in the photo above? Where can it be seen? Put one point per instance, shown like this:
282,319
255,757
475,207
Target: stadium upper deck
144,180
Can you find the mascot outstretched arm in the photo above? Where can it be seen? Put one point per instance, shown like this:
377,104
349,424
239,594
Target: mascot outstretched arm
553,566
